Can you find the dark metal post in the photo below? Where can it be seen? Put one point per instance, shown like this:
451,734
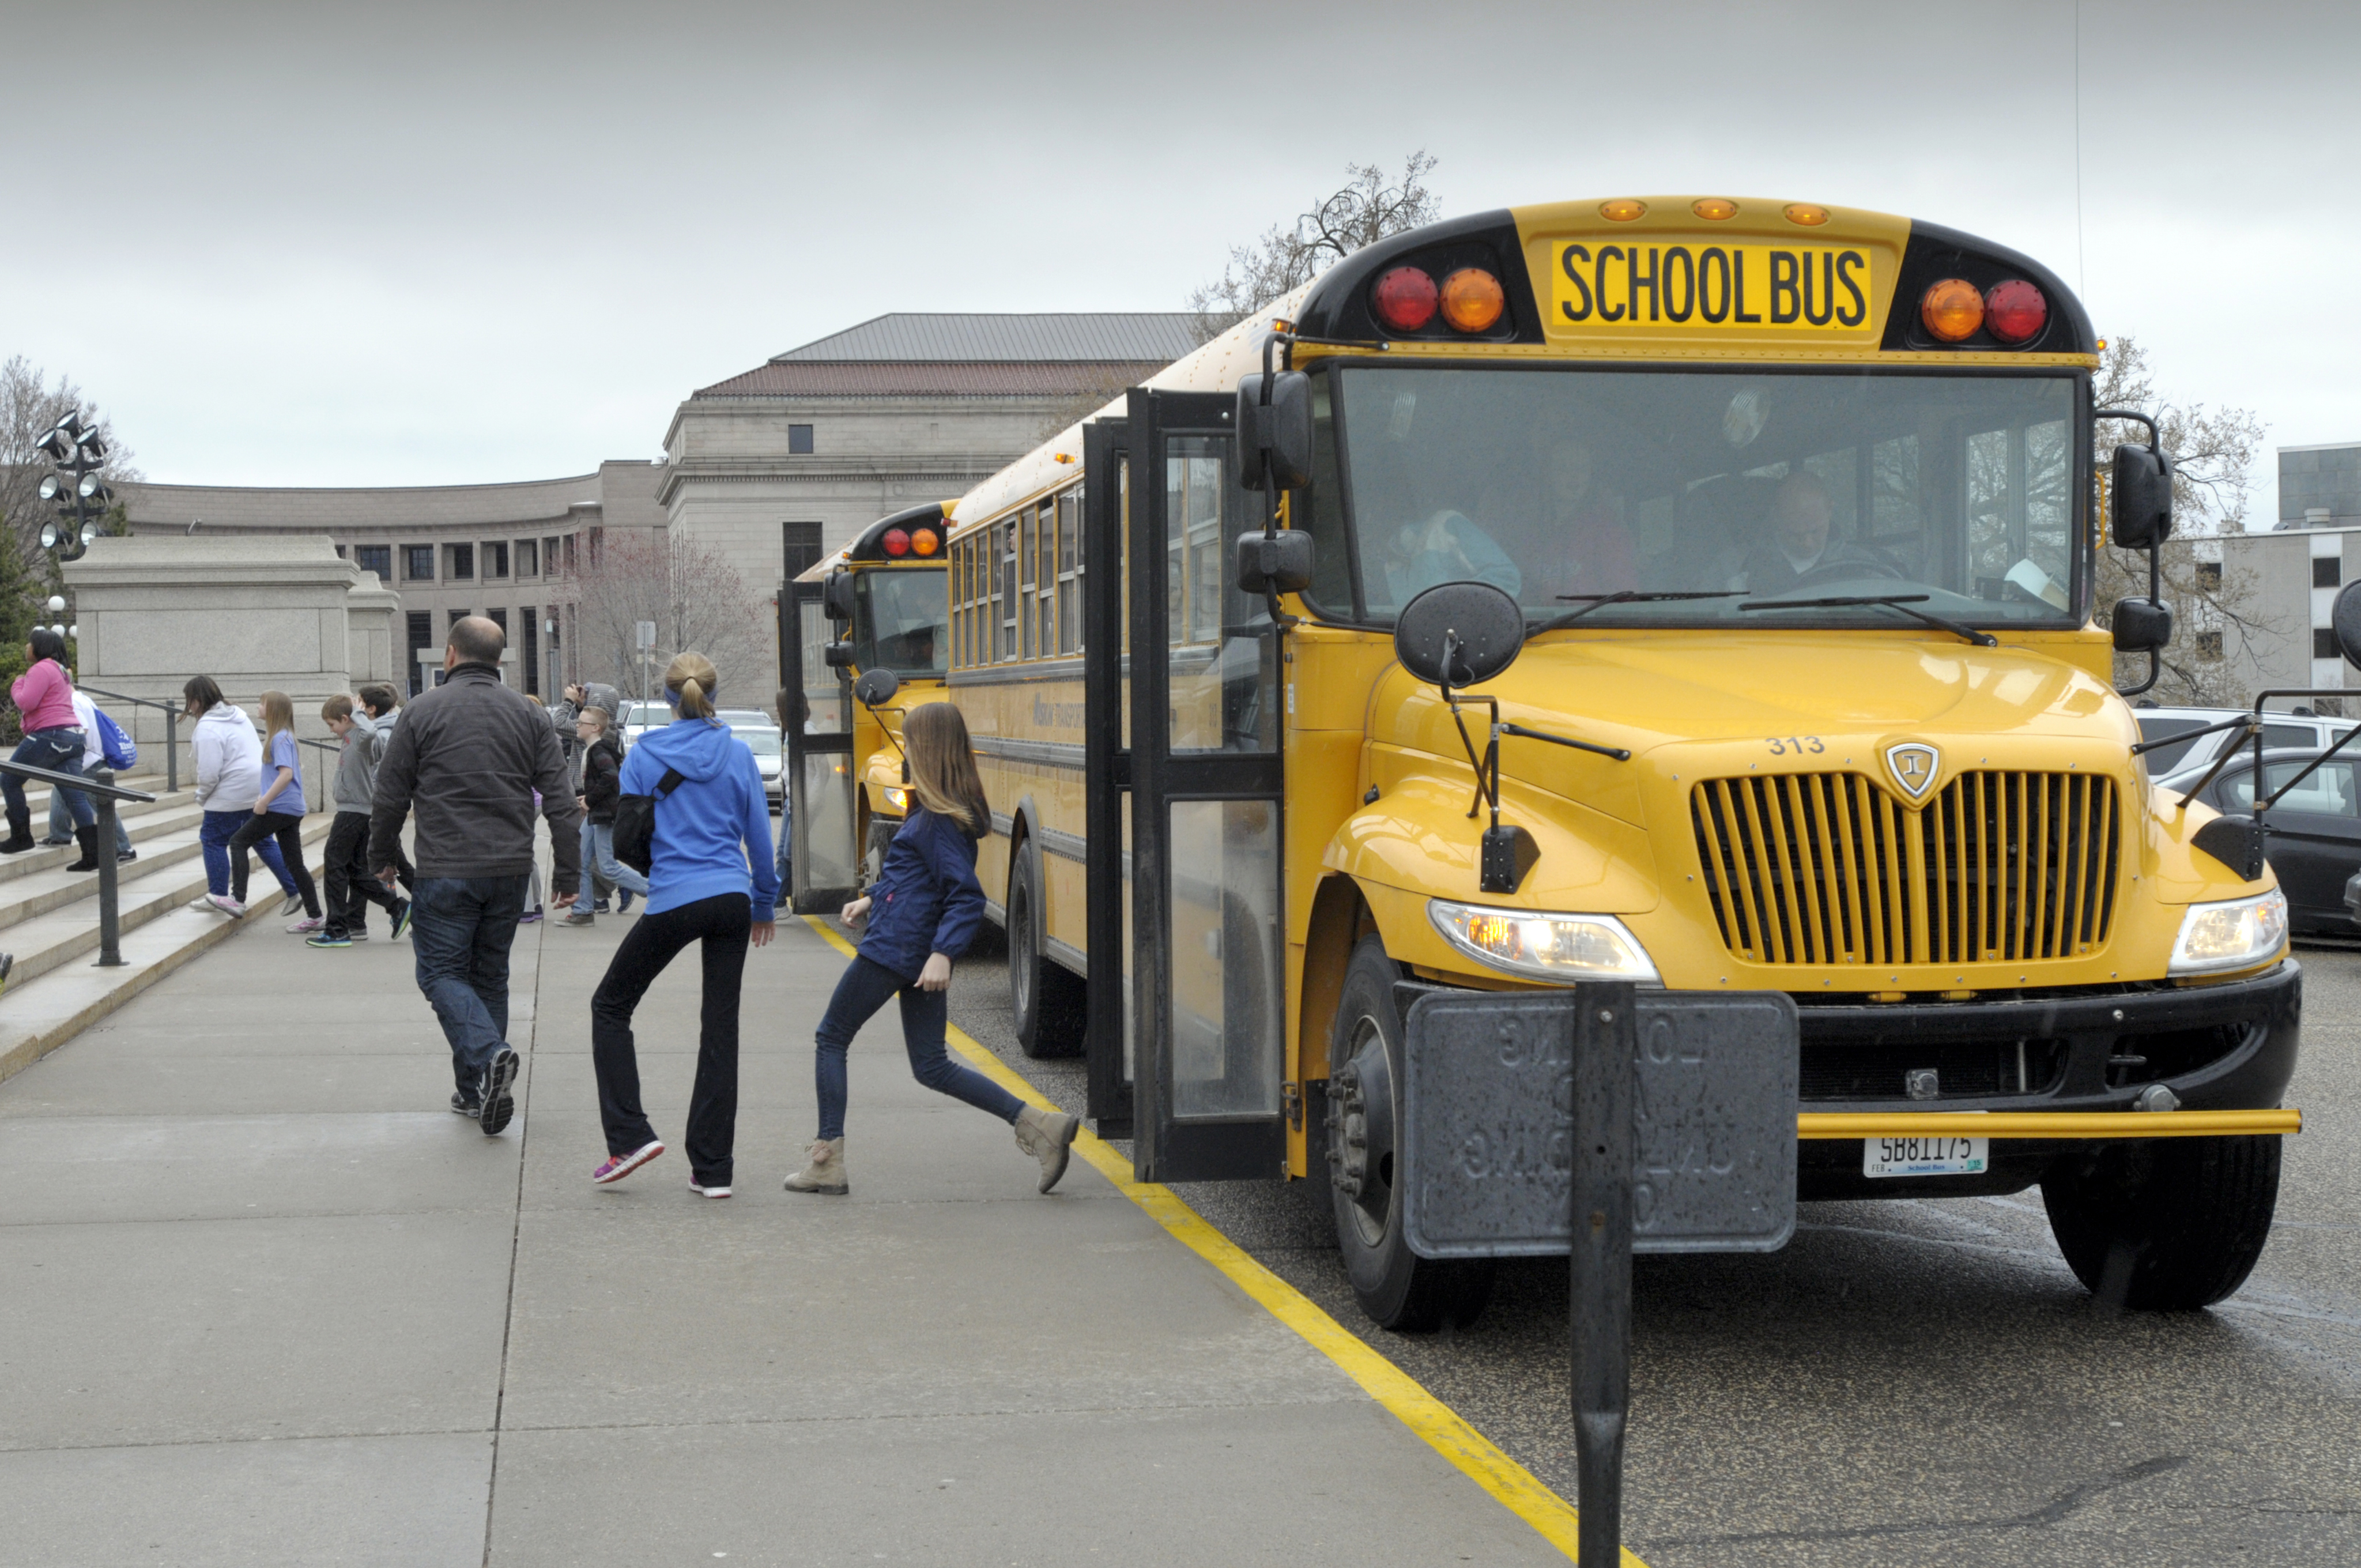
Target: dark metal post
1606,1036
172,750
110,920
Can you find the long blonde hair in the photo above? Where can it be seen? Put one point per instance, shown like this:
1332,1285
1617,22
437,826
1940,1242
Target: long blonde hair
942,766
278,714
692,678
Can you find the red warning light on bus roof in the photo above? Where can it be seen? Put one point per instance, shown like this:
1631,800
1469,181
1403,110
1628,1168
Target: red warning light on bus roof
895,541
1405,299
2015,311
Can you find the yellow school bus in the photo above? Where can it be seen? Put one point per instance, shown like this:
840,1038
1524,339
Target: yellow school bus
876,605
1794,511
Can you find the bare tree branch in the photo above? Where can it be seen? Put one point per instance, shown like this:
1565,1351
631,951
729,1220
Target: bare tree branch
697,598
1366,209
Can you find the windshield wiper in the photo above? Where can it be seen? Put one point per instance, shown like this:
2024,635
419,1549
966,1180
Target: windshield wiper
1625,596
1890,601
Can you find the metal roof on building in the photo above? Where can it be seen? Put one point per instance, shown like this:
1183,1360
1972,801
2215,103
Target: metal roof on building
967,379
1101,337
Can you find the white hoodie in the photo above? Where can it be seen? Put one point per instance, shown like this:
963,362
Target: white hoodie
229,759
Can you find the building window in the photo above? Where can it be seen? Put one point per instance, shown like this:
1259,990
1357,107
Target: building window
459,563
799,440
531,652
377,558
799,549
572,563
421,637
2209,644
418,563
2327,571
498,618
553,560
528,558
496,559
2209,576
2323,643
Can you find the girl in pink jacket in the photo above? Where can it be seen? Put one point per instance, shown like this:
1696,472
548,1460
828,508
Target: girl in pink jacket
53,740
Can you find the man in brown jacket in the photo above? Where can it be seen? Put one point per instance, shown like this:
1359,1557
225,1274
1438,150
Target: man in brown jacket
468,755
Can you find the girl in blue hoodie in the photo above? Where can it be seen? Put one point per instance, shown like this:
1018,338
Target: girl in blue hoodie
921,913
709,880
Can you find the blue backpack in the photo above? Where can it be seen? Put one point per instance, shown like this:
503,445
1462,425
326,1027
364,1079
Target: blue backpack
114,744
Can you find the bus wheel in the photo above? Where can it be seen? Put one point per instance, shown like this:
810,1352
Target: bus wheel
1397,1289
873,858
1047,998
2165,1224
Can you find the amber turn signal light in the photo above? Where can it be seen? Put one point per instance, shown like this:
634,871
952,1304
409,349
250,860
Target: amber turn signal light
1806,213
1953,310
1714,208
1622,209
1404,299
1472,300
925,542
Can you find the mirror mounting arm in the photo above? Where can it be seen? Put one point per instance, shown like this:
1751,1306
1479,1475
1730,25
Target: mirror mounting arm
2155,547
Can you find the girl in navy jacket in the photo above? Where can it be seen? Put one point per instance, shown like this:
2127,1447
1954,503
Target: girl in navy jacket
922,913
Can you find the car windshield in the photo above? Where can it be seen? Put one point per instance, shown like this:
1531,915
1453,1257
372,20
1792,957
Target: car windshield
903,619
1567,488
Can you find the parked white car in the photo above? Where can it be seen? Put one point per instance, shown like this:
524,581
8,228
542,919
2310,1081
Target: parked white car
761,733
2279,730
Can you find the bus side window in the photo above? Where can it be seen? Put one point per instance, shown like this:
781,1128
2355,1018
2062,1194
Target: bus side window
1319,509
1069,569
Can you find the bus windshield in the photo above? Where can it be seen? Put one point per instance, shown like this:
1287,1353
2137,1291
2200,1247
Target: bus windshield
1566,487
902,620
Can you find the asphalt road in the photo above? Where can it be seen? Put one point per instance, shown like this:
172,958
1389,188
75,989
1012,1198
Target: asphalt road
1920,1381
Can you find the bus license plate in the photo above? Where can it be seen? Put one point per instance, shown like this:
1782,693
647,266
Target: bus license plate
1925,1157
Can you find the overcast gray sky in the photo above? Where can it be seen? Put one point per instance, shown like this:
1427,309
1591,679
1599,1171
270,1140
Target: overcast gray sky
325,244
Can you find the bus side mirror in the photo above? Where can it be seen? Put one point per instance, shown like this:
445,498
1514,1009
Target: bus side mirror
836,596
2140,499
2143,626
838,655
2345,619
1275,439
1459,634
875,687
1277,563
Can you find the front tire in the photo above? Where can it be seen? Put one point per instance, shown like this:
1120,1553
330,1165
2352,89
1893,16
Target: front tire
1395,1287
1047,999
2166,1224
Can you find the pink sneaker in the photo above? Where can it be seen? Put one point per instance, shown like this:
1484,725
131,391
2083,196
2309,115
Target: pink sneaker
227,905
304,928
622,1165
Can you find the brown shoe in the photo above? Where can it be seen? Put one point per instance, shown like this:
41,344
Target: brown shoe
825,1174
1048,1136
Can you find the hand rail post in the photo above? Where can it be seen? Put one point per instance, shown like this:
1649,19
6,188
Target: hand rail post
110,919
172,750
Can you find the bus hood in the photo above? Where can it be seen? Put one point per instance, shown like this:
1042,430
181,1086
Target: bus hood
1717,705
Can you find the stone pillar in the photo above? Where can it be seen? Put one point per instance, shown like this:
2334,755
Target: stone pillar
255,612
375,638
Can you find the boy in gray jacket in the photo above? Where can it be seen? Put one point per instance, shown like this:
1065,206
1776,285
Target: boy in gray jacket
351,889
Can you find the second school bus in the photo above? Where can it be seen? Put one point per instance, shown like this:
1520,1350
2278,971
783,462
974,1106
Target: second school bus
1796,505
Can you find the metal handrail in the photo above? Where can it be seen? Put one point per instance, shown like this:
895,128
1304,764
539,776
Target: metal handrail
98,782
171,730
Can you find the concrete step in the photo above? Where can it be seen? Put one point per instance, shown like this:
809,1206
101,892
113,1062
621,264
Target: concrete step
153,824
48,919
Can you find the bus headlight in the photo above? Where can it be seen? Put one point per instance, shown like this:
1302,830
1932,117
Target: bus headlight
899,799
1563,947
2238,933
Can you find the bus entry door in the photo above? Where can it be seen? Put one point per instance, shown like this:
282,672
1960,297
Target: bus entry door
1209,983
821,846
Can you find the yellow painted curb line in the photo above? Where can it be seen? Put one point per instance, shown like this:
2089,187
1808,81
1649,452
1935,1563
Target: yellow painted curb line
1443,1428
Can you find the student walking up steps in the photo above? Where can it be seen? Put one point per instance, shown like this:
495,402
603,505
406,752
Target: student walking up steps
922,913
709,881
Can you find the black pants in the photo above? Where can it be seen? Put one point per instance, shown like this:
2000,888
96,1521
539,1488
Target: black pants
288,831
351,889
724,923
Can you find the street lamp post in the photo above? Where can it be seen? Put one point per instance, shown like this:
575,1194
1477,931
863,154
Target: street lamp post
78,451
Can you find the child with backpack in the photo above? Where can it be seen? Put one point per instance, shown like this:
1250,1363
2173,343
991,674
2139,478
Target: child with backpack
922,911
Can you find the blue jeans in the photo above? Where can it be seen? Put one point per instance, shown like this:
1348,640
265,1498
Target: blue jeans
460,928
220,828
57,748
863,990
62,822
598,855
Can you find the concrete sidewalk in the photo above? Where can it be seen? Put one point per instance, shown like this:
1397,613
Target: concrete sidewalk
268,1301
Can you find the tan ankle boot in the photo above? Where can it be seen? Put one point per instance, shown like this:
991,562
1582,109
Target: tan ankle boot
826,1171
1048,1136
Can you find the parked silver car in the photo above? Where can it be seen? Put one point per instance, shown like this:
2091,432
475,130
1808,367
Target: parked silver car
2280,729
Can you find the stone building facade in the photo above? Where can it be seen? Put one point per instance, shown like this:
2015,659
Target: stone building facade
449,551
780,465
2296,571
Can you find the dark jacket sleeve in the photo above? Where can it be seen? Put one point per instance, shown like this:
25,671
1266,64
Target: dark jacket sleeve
397,775
601,777
556,786
951,855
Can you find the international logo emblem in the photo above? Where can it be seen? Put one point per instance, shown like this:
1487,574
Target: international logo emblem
1913,766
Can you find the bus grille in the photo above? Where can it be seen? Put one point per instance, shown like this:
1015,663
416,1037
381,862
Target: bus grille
1831,869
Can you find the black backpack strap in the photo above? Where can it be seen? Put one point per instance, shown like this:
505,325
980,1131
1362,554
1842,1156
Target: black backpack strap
674,778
